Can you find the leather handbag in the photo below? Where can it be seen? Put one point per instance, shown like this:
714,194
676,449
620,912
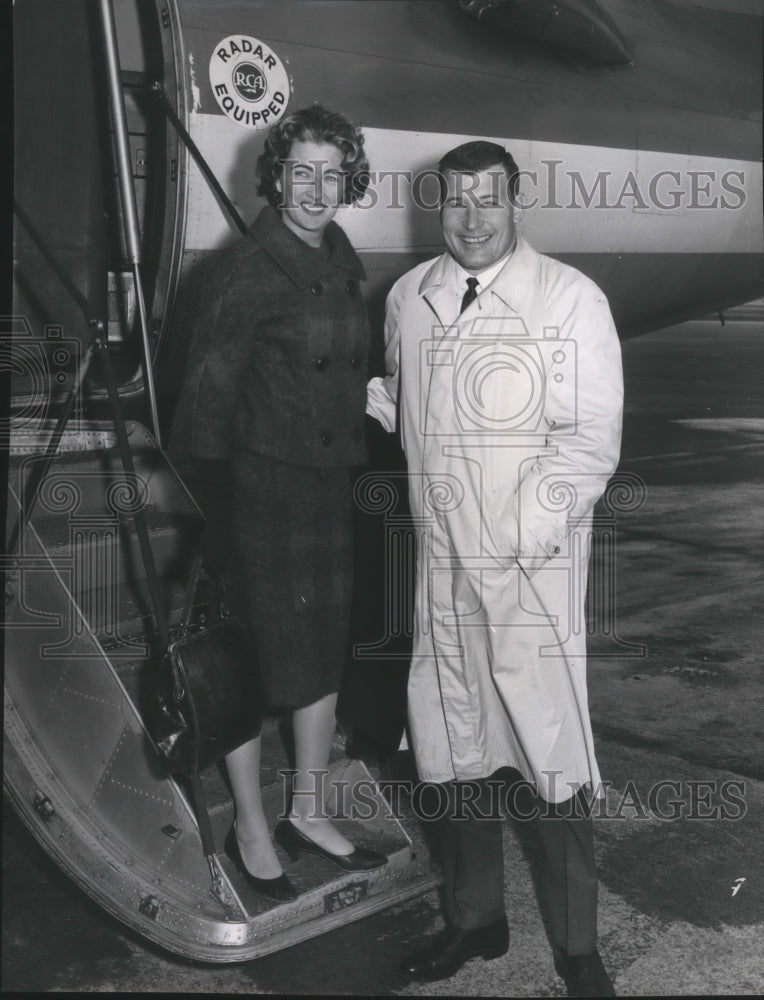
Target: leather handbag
208,690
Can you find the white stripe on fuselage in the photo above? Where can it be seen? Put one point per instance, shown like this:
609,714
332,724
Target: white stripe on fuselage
581,199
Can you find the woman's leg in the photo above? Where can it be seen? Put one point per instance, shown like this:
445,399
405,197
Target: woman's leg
257,851
314,727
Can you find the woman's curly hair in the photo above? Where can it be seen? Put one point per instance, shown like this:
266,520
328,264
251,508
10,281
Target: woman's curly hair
313,124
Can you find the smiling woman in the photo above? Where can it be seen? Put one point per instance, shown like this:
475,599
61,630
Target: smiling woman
273,413
285,148
312,187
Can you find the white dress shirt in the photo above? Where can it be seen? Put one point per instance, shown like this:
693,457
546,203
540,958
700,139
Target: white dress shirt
458,280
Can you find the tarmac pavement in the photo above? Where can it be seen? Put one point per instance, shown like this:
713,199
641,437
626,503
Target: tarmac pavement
676,700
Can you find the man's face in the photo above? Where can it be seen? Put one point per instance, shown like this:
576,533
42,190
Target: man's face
478,217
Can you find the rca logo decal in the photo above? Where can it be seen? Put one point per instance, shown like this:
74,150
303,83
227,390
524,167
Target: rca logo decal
249,81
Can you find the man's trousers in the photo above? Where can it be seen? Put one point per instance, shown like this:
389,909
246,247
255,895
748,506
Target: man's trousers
471,853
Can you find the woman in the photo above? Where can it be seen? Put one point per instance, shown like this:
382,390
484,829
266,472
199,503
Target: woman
277,394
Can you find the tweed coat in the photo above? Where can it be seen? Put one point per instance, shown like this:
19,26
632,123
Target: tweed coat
272,416
278,361
510,417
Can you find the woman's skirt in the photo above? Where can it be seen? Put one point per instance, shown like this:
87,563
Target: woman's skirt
293,555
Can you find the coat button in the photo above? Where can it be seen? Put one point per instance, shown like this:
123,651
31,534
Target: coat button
556,550
355,362
351,287
356,434
317,288
327,438
320,364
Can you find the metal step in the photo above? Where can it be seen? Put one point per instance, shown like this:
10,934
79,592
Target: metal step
81,769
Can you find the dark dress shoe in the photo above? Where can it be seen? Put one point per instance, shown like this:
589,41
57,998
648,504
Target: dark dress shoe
584,975
279,889
293,841
453,947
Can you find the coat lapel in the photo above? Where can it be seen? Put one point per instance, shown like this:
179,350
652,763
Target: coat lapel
510,291
303,265
434,289
505,297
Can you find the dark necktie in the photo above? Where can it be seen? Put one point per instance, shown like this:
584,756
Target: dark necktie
470,295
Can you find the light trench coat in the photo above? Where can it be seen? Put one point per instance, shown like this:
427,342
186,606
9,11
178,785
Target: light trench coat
510,418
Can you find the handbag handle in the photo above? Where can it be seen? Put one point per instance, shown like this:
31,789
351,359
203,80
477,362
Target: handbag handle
188,600
190,595
222,589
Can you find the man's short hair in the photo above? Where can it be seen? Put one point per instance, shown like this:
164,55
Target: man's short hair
313,124
472,157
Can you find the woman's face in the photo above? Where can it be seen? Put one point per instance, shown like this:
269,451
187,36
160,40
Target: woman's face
312,184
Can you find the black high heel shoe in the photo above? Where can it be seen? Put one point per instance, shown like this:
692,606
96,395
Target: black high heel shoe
279,889
293,841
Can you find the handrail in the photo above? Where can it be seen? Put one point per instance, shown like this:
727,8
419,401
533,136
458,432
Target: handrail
158,92
127,192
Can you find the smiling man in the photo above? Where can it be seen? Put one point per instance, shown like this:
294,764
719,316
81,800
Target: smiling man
478,210
504,378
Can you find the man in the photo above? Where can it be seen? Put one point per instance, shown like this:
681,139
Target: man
504,377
